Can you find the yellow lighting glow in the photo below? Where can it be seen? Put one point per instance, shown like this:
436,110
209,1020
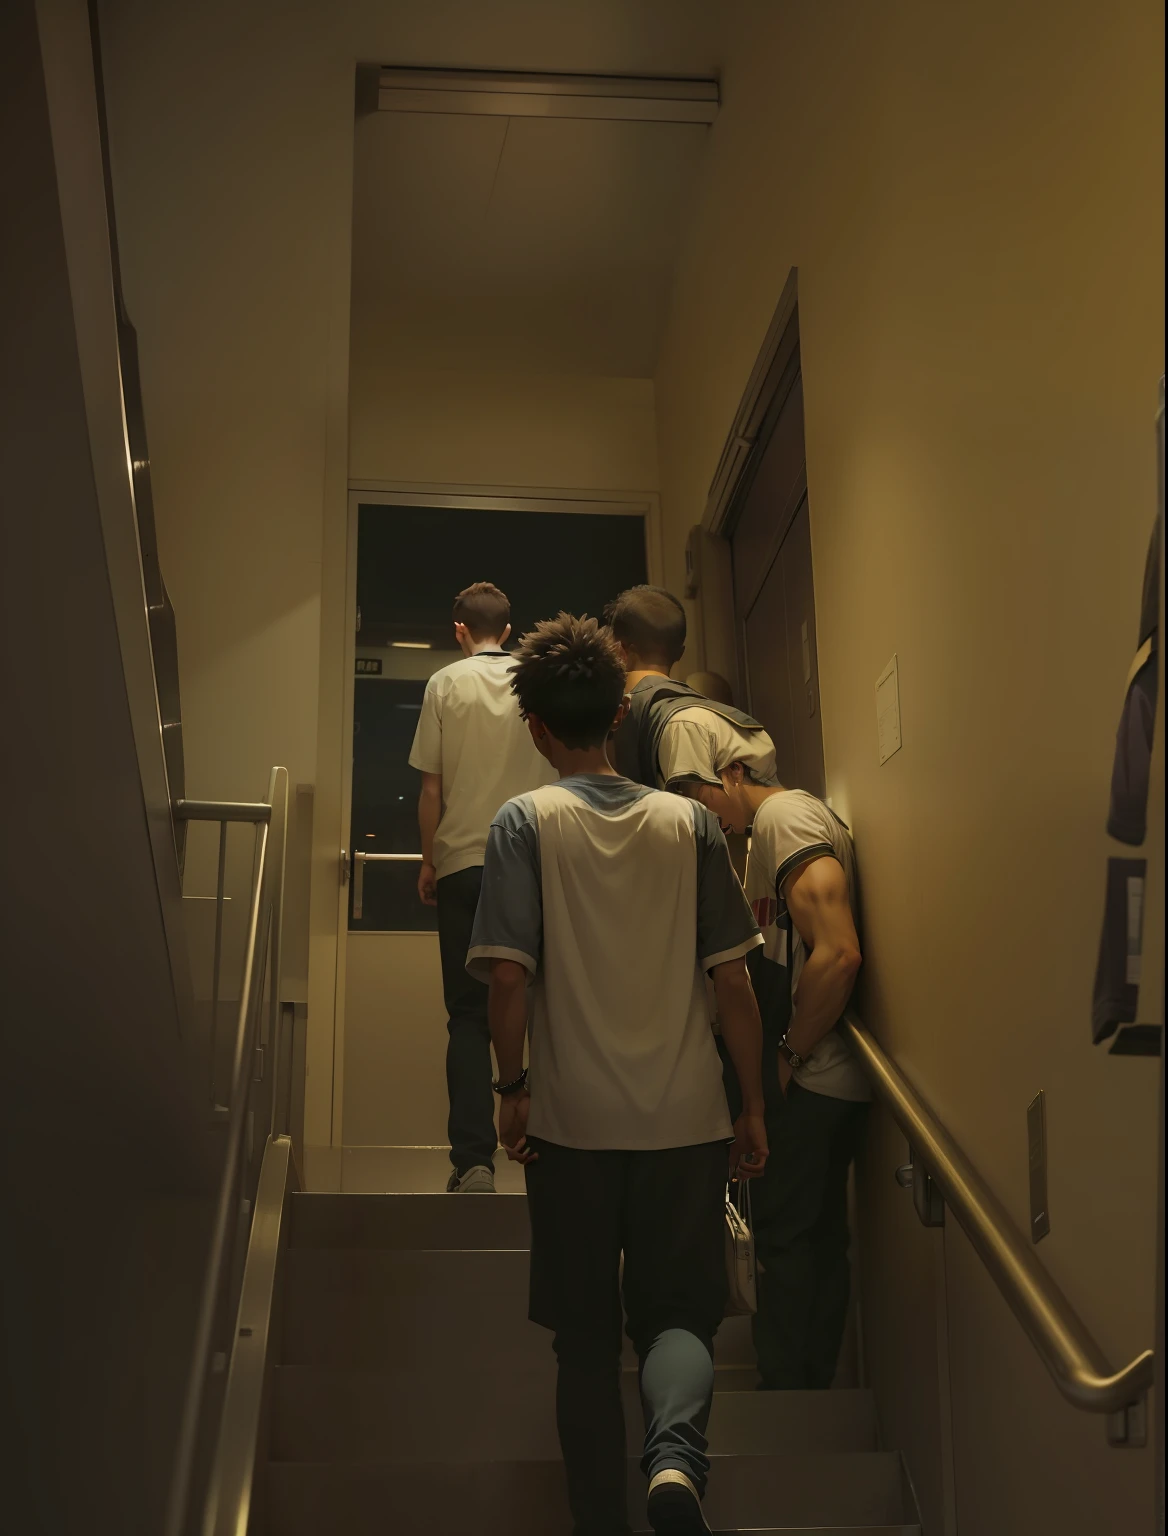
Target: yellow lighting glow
410,645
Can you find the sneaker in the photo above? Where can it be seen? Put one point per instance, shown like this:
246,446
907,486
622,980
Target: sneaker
675,1506
475,1181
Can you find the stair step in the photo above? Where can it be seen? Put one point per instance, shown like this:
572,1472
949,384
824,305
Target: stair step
498,1498
441,1310
409,1221
404,1416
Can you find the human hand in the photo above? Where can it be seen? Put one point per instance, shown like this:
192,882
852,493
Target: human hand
750,1151
428,885
513,1112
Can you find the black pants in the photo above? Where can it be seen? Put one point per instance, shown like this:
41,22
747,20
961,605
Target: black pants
471,1126
664,1212
800,1218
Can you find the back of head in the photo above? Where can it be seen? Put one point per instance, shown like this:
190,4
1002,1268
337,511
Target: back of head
569,672
650,623
484,610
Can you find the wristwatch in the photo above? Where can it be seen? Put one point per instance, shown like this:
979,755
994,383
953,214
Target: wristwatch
794,1060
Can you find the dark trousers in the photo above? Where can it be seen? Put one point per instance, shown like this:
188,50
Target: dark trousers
664,1212
471,1127
800,1218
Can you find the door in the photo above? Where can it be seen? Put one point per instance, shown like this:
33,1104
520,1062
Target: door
781,660
412,555
774,588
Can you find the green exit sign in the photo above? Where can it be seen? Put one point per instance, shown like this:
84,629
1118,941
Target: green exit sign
368,666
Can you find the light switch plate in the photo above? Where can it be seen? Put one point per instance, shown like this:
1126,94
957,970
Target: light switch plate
1036,1142
888,711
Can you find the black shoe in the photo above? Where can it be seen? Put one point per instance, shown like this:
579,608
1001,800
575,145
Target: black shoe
675,1506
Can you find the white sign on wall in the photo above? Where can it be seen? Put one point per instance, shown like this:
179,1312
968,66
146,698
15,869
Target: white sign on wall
888,711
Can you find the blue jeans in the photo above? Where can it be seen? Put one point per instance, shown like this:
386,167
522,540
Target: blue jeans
664,1211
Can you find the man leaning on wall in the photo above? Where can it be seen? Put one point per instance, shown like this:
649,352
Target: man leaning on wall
474,753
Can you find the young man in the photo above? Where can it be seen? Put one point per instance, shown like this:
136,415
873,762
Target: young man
801,883
474,753
673,733
611,901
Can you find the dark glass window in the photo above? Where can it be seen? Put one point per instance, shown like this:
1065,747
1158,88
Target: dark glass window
411,561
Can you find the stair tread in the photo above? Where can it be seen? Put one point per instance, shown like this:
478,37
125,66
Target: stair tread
398,1222
328,1414
825,1491
369,1307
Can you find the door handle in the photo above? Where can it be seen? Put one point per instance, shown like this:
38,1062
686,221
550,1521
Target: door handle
360,859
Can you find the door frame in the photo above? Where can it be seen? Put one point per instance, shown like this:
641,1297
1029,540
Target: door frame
470,498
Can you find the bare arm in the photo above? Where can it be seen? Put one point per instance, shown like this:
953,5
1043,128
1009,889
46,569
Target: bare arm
742,1032
507,1019
429,815
817,899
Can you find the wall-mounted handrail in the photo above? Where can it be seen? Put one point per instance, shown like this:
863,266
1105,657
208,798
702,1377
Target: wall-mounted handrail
261,958
1078,1365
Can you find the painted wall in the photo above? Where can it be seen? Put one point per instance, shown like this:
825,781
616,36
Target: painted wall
973,197
564,433
232,146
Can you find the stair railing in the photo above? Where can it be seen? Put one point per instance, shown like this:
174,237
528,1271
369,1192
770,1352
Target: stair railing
255,1111
943,1177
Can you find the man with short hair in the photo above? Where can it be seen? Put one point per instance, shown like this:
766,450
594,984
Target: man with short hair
673,733
801,883
474,753
610,901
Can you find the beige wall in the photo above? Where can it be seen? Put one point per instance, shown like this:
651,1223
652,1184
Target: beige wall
232,142
973,197
563,433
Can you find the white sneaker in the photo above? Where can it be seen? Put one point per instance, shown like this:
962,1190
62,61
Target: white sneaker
475,1181
675,1506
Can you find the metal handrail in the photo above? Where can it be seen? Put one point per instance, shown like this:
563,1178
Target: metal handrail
261,954
231,1485
1078,1365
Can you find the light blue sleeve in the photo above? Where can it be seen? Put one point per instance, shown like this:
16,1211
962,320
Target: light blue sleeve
509,922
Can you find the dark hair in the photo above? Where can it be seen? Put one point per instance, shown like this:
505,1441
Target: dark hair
651,622
484,610
569,672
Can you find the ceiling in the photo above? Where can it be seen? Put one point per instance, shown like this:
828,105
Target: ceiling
504,244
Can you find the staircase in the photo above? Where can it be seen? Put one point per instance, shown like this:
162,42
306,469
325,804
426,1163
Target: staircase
411,1396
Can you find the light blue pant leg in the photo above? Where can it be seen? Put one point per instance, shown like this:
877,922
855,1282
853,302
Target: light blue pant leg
677,1389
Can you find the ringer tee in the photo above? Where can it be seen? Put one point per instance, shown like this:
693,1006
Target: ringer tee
790,828
699,743
616,899
471,732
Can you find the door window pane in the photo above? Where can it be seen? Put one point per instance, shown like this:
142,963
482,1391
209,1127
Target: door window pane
411,561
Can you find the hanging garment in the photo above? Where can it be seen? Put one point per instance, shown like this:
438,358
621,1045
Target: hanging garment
1117,973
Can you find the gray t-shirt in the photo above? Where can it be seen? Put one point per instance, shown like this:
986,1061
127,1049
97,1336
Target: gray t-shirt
617,899
790,828
699,744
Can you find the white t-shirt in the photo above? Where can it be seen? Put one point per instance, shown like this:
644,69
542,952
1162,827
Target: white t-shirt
471,732
617,899
699,743
790,828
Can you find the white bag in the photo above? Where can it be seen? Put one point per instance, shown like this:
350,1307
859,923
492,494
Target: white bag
742,1298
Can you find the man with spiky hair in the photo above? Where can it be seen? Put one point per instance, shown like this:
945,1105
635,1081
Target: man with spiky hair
610,901
473,754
